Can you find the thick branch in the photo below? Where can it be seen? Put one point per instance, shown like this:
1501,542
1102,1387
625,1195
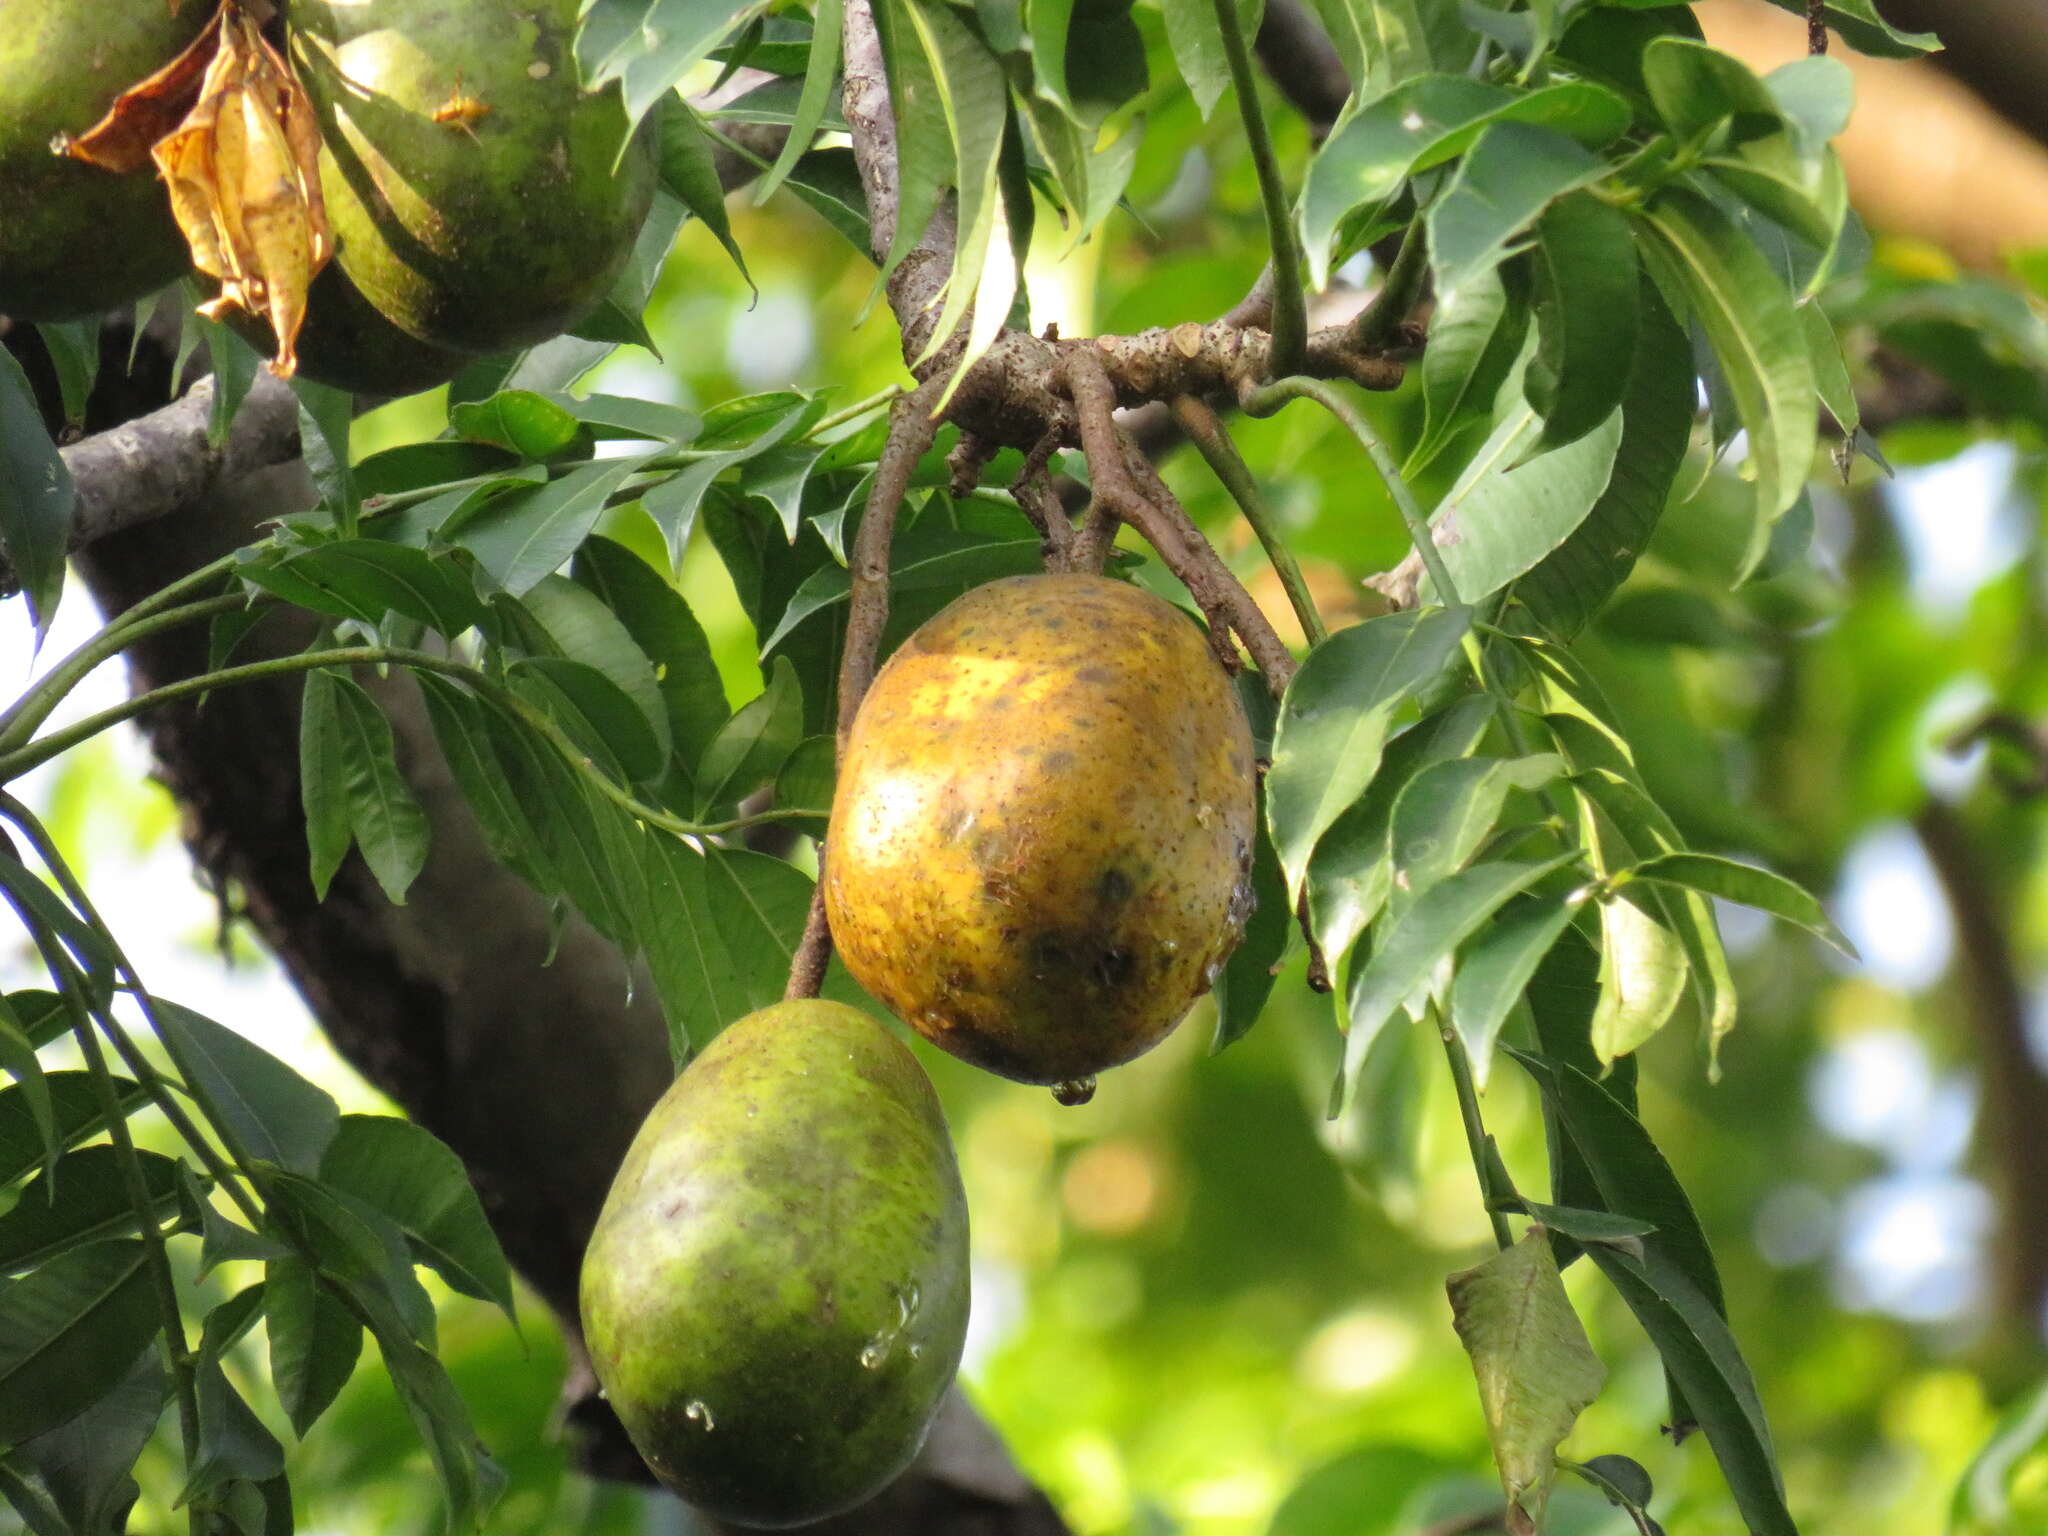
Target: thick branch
162,462
1298,57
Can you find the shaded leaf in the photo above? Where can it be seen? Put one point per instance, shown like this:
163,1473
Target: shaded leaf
36,496
86,1201
1529,1351
271,1111
314,1340
70,1332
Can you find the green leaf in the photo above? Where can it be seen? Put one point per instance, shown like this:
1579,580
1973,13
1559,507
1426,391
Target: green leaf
807,779
616,417
1984,1498
369,579
523,423
1447,914
1589,1226
1509,510
1384,41
271,1111
1746,884
1088,56
32,1129
1447,811
32,1090
325,415
1706,1364
728,922
1422,123
1197,43
1335,717
91,1204
778,477
588,632
1247,978
1474,339
924,146
82,1467
673,504
1747,315
1697,88
1863,29
416,466
1587,282
1830,369
821,73
233,1444
755,743
1495,970
314,1340
1350,874
323,778
358,1248
464,737
74,351
649,45
36,497
1571,583
922,560
1535,1367
70,1332
531,531
606,725
408,1174
1642,976
655,614
470,1479
361,766
1512,172
969,79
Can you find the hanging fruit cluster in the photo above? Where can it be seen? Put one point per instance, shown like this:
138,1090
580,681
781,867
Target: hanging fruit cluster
373,192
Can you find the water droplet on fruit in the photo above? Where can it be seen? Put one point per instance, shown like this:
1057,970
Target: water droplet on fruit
1077,1090
877,1350
699,1414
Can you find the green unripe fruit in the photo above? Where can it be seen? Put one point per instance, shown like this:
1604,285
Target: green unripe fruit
476,192
775,1297
74,239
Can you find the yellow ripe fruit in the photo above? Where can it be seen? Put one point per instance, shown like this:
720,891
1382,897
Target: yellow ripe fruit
1040,848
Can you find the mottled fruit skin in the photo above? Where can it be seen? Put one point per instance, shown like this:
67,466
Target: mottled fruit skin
1040,846
776,1294
74,239
506,221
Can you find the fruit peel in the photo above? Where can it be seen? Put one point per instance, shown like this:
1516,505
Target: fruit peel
1040,847
775,1297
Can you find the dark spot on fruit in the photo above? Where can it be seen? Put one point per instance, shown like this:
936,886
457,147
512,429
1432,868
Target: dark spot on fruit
1114,888
1114,966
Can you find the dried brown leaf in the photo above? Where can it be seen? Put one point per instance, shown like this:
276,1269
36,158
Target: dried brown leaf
148,110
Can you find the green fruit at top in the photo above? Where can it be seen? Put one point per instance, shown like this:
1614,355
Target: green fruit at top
776,1294
476,192
1041,839
74,239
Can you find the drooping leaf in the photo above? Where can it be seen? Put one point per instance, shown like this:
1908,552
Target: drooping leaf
314,1340
1535,1367
1510,175
1569,585
1495,970
36,496
1474,339
668,634
1247,978
1335,718
1746,884
1350,874
87,1201
358,764
1747,315
1587,286
272,1112
1450,912
81,1468
1642,976
530,532
1423,122
753,745
649,45
408,1174
587,631
1447,811
70,1332
521,422
74,1111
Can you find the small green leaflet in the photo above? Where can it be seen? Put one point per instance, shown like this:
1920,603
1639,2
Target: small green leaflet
1335,720
352,787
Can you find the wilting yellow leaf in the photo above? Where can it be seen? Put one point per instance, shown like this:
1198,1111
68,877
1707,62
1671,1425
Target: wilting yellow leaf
243,174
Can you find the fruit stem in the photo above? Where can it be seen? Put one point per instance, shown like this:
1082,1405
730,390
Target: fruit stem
19,722
1476,1139
1207,432
1265,399
1289,320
